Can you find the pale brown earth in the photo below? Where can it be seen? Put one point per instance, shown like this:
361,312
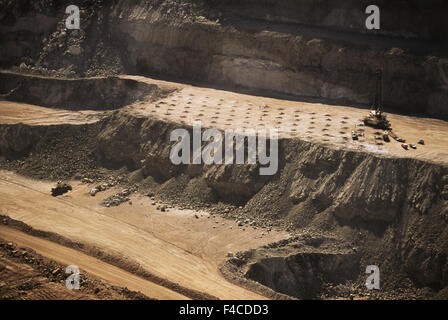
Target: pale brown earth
26,275
68,257
175,246
14,112
224,110
209,237
316,122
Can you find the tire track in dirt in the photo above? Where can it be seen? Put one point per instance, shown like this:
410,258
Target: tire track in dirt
84,225
109,273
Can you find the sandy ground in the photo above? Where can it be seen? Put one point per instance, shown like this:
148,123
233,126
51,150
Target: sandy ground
208,237
327,124
13,112
315,122
96,267
175,246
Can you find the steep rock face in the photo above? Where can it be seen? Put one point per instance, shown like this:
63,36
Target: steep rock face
401,18
282,62
80,94
401,203
349,184
193,41
140,142
301,275
352,184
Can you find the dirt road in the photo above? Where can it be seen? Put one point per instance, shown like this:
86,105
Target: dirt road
82,224
14,112
96,267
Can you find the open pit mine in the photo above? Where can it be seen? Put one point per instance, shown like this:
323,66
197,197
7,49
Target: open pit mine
231,150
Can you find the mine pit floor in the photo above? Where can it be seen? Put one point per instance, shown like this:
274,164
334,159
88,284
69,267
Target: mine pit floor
183,246
14,112
321,123
314,122
173,245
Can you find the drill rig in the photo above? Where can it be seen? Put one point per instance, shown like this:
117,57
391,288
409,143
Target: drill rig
376,118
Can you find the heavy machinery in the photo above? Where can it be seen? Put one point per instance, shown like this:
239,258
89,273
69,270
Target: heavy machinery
376,118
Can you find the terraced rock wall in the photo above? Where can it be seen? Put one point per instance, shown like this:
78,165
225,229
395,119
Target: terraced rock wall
401,204
291,53
74,94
